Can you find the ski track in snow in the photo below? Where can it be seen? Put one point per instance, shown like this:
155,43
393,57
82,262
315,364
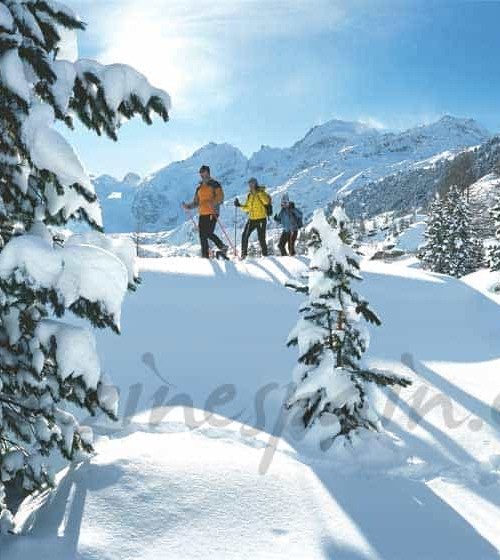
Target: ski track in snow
168,483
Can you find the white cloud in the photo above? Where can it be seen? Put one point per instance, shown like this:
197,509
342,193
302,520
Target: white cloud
401,121
373,122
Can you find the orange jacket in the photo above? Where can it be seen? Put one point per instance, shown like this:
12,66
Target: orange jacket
208,198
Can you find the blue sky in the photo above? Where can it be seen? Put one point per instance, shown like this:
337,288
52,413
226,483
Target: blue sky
253,72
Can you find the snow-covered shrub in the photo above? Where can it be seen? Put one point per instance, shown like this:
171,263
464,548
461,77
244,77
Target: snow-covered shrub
47,365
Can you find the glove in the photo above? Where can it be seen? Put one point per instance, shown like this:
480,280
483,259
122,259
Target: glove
237,203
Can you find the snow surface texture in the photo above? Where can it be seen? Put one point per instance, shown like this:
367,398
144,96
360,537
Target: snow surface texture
185,484
335,158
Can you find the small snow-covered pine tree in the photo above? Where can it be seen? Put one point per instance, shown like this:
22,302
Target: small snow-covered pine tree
48,366
331,335
339,220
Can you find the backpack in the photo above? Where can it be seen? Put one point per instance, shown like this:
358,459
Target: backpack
269,205
216,185
298,217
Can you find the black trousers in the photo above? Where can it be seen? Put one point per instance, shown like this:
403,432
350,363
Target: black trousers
252,225
288,238
206,227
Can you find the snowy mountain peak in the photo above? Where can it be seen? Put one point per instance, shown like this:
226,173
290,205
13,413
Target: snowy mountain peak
462,123
336,131
448,127
223,151
132,179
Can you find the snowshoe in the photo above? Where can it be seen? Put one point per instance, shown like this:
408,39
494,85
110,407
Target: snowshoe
221,255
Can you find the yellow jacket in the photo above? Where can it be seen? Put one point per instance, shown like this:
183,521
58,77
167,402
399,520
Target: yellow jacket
255,204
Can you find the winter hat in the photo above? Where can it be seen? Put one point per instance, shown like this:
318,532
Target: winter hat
253,181
285,199
205,168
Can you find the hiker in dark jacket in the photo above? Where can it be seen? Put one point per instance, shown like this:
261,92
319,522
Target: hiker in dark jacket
207,199
290,219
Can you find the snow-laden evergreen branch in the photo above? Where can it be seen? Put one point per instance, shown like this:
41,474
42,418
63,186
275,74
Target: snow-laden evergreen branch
46,365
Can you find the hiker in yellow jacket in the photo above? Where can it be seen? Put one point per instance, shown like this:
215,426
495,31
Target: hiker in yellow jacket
256,206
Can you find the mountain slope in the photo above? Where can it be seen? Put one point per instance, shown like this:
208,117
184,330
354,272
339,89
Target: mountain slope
483,196
158,198
116,198
405,190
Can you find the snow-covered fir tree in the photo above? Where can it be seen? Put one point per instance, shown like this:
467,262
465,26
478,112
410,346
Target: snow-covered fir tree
48,366
451,245
461,245
338,220
494,253
477,257
330,381
404,224
433,252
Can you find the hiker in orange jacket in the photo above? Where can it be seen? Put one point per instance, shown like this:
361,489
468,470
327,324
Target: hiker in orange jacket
207,199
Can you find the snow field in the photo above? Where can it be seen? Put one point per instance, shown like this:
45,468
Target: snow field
429,489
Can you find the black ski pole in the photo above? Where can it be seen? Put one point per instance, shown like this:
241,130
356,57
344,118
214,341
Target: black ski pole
235,226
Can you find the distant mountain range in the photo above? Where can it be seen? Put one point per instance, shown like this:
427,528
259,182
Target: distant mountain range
335,160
